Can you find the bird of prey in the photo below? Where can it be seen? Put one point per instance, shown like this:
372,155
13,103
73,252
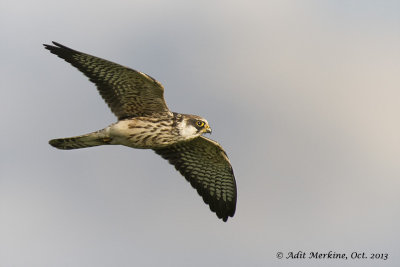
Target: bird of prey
144,121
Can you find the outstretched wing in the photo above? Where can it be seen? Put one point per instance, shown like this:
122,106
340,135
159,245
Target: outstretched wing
206,166
128,93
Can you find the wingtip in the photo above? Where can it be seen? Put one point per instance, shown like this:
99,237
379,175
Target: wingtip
225,217
49,46
54,45
57,44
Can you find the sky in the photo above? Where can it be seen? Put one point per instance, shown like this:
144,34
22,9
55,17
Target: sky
302,95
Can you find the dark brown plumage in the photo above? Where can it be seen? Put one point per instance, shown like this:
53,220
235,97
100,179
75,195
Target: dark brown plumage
213,178
144,121
128,92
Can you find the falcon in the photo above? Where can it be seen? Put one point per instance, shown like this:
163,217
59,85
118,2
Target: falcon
144,121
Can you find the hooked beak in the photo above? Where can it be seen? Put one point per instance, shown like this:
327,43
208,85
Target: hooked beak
208,129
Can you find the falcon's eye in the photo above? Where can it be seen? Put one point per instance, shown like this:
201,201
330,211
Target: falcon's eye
200,123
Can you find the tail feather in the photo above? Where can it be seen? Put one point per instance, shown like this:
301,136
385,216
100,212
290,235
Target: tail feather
82,141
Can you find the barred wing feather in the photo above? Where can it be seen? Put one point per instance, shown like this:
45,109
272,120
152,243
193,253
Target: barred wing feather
205,165
128,93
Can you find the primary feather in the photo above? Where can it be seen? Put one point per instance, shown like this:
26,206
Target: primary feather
144,121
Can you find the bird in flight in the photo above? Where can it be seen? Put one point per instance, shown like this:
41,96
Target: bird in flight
144,121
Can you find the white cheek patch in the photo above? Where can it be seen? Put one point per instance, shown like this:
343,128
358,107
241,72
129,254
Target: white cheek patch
187,131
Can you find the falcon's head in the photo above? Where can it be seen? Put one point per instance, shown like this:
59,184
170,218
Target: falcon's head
193,126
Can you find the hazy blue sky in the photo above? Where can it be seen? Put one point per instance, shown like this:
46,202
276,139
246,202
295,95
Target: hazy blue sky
303,95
